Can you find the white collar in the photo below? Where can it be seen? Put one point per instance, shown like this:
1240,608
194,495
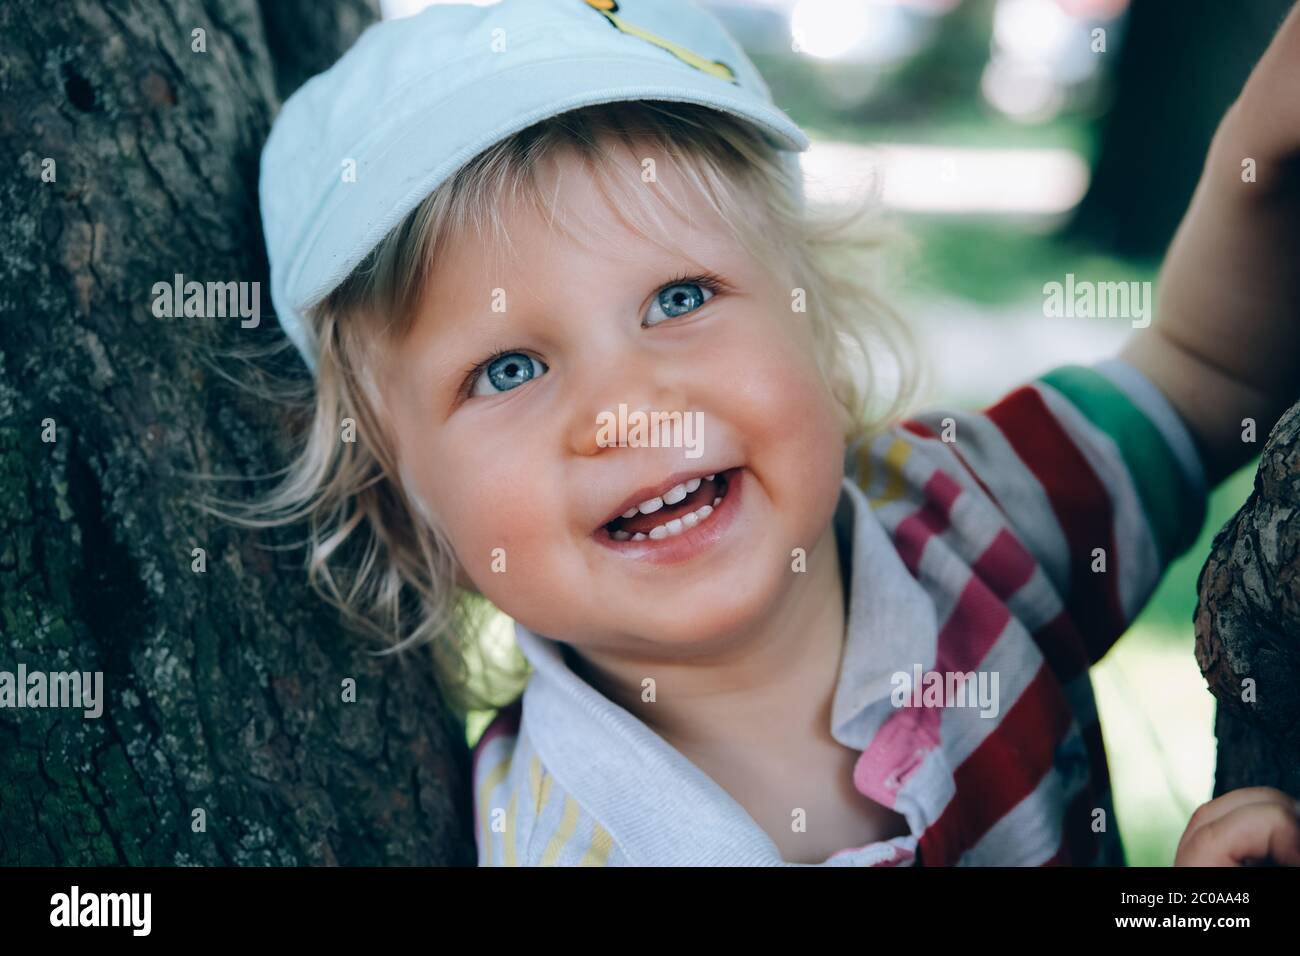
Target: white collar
659,807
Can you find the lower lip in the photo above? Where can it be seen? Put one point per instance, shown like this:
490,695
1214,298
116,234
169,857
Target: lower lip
690,543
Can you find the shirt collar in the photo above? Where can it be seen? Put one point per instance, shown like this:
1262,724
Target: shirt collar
659,807
891,624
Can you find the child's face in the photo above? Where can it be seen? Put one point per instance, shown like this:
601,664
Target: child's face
515,468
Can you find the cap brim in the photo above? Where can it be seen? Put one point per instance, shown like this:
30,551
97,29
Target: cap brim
390,184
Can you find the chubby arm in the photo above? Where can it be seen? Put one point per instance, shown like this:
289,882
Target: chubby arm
1225,345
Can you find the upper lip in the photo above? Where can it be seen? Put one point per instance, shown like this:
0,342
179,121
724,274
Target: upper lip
657,490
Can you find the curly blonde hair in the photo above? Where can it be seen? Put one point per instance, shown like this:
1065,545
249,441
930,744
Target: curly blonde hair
373,550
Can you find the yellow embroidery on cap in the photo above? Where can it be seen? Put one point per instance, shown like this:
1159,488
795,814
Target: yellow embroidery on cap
609,8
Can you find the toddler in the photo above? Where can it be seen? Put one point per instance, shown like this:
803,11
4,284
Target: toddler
505,237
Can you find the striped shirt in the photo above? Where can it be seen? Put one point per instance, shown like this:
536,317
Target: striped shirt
1018,543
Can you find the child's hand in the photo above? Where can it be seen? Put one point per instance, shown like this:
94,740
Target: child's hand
1243,827
1225,345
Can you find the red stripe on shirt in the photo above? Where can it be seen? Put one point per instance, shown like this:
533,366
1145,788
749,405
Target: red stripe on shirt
1003,770
908,735
977,620
1082,506
1005,566
924,431
972,628
914,531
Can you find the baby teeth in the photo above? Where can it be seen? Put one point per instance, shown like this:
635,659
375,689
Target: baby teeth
670,528
675,494
677,525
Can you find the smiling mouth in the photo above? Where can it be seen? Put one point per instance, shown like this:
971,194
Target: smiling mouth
664,517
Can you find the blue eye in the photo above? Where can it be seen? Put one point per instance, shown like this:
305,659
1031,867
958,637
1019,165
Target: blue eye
506,371
675,300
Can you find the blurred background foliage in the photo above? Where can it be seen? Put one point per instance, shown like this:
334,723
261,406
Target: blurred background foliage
1018,141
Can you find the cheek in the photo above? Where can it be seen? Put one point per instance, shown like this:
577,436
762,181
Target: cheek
790,421
780,384
486,502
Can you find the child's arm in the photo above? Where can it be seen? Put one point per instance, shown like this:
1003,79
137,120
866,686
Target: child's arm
1250,825
1225,345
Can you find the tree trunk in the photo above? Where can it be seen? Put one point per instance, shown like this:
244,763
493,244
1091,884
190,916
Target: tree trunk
225,737
1248,625
1180,66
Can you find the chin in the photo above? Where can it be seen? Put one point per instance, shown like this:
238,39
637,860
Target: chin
713,612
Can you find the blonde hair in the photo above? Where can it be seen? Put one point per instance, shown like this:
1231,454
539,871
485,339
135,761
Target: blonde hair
368,554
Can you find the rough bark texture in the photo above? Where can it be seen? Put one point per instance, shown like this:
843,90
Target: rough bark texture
223,688
1248,625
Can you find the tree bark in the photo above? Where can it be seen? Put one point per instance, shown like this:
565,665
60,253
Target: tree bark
1248,625
222,688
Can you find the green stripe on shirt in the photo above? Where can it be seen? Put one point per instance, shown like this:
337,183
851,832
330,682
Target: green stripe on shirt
1168,499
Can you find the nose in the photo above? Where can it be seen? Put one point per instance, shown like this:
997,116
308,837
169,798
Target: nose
609,389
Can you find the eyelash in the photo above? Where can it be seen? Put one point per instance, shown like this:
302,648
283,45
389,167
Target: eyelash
705,280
